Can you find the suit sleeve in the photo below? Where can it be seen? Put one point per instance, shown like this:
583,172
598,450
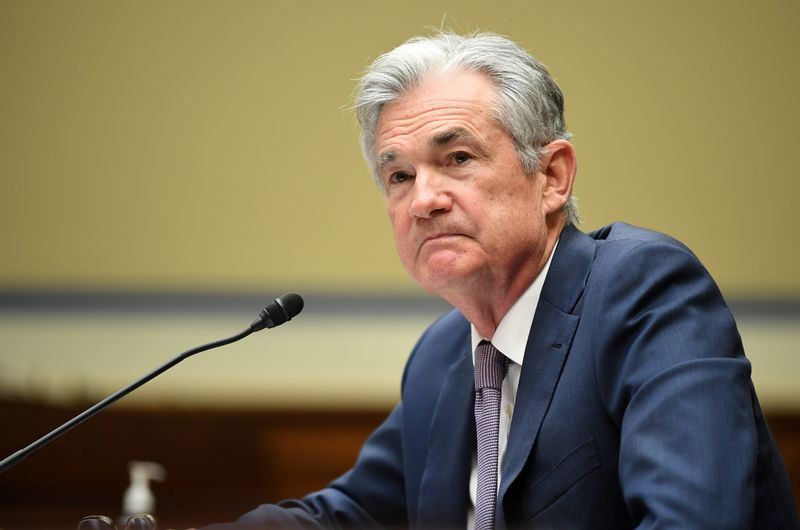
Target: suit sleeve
671,369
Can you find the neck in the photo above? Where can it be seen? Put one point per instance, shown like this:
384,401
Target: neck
485,301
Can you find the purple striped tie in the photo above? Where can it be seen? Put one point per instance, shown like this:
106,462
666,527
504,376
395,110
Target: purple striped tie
490,369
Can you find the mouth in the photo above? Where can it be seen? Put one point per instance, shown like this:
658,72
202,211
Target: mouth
440,238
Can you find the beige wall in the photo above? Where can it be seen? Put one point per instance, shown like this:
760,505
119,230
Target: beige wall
205,145
201,144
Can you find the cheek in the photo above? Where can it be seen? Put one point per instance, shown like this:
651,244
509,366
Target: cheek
401,228
516,218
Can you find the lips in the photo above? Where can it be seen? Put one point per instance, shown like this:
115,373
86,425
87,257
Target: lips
438,234
440,238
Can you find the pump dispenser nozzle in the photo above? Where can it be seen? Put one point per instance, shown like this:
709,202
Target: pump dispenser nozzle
138,497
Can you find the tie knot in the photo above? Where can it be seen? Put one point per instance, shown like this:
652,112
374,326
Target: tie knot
490,366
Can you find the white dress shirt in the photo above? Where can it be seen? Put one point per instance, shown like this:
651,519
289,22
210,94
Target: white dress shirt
510,337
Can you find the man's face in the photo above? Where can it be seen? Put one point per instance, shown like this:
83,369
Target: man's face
464,213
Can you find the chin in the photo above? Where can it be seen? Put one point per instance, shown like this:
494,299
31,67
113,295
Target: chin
445,270
441,280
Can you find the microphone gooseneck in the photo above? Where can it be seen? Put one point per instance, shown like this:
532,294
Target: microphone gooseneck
279,311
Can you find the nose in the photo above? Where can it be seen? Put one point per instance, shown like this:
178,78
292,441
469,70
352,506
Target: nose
429,196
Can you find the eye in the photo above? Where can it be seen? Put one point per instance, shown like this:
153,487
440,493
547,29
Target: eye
461,157
399,177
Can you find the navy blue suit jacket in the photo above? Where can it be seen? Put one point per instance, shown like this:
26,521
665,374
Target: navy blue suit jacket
634,410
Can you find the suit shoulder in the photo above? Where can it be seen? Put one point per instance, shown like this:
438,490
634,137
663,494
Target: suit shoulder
439,345
643,267
625,234
620,242
451,322
445,334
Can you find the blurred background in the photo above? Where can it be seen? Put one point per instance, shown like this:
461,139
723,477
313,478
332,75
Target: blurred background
168,168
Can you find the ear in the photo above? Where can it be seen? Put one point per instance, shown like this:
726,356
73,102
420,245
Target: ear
558,164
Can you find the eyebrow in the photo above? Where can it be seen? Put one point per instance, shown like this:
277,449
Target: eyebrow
438,140
386,158
450,135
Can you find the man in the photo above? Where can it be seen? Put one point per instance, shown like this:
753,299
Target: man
619,396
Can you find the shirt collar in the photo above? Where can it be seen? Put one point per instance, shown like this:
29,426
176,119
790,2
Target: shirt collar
511,335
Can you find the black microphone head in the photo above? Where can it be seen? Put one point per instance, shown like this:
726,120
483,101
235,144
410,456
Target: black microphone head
279,311
292,304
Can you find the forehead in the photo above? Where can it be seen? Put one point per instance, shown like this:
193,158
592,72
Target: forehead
461,98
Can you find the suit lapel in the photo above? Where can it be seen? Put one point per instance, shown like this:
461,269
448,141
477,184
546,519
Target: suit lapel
444,491
547,349
545,354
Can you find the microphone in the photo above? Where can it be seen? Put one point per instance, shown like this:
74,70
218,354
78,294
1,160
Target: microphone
278,312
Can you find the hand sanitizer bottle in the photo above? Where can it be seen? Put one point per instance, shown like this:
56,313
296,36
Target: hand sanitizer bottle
138,498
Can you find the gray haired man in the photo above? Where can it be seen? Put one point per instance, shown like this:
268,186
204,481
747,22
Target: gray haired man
583,381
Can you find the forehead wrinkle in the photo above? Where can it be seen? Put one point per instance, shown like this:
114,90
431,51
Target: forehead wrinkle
410,121
407,127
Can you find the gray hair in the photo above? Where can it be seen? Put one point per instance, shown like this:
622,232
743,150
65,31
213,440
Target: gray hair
530,106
